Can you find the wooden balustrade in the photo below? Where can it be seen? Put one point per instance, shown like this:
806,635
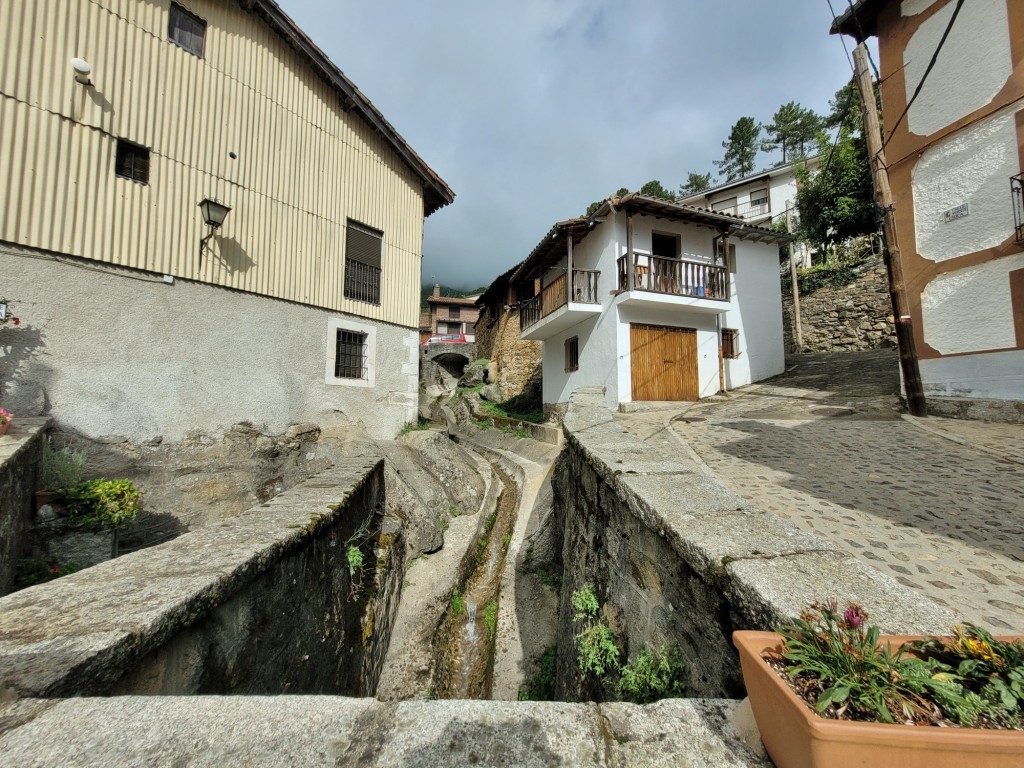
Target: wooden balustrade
675,277
556,294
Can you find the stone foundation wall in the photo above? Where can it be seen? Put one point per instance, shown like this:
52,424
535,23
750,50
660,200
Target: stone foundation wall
675,558
517,362
21,450
843,318
267,602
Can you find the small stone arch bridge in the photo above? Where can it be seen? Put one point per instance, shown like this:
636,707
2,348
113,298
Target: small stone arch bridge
445,362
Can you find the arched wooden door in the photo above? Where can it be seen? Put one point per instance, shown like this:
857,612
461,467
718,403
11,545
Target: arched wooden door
663,362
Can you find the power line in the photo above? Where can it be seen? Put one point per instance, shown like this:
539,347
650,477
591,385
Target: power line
863,37
927,71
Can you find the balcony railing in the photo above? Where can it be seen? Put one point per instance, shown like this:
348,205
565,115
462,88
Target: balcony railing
674,277
556,294
1017,192
749,210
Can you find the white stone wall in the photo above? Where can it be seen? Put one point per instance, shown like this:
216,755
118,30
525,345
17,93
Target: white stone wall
993,376
115,352
972,67
756,312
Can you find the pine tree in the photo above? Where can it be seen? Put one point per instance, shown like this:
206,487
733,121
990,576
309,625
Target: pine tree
695,182
740,149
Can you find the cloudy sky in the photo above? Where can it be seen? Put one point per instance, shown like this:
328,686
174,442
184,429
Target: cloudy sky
532,109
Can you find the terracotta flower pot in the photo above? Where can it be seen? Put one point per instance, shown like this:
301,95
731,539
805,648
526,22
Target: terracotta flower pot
4,427
796,737
43,498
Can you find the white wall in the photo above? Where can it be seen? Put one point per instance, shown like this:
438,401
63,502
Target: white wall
972,166
973,66
994,376
112,352
756,311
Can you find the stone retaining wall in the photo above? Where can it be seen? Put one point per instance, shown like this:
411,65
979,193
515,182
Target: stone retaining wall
843,318
267,602
21,450
675,558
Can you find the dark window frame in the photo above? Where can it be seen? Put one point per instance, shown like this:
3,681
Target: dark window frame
350,354
730,343
197,31
572,354
664,237
363,264
453,313
132,161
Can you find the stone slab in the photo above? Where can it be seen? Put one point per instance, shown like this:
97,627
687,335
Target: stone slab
334,731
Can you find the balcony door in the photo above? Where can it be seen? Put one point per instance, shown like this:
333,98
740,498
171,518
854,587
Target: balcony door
663,362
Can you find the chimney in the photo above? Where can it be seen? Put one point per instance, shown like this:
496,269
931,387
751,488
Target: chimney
437,291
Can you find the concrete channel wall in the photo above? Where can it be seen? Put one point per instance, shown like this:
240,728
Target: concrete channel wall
675,558
21,450
267,603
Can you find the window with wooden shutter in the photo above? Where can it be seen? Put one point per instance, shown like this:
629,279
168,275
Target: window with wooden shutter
186,30
131,162
572,354
363,247
730,343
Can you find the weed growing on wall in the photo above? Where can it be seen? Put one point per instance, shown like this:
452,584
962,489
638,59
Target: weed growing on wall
354,556
653,675
540,686
596,648
458,604
491,618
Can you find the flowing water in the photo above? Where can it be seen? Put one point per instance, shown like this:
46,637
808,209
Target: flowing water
464,644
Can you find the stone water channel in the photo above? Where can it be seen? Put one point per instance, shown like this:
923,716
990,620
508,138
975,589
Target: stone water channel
465,642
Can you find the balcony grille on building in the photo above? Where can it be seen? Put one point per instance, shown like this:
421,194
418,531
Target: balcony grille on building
1017,192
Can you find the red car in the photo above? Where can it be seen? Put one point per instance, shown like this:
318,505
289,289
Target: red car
448,338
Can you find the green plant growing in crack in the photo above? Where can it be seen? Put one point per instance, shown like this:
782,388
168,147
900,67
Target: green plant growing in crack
458,604
596,649
653,675
491,618
354,556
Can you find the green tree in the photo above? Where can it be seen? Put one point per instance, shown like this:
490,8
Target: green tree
740,149
792,128
695,182
598,203
837,202
654,189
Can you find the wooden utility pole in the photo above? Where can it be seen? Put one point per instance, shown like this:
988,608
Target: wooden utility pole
798,332
893,260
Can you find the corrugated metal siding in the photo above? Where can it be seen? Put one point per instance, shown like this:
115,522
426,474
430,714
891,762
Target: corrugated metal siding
304,167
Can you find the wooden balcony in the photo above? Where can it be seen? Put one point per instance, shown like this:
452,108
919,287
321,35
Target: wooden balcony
558,294
673,277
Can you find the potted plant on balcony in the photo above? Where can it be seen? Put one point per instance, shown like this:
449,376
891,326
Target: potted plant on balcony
827,690
6,417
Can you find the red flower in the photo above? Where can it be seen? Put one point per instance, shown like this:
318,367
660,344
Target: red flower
16,320
853,617
54,568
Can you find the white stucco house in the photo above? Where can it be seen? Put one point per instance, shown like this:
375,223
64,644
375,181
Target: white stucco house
761,198
653,300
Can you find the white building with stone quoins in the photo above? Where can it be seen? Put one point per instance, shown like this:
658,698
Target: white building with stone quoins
955,157
653,300
139,319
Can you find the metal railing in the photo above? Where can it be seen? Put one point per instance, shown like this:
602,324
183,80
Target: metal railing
674,277
556,294
749,210
362,281
1017,192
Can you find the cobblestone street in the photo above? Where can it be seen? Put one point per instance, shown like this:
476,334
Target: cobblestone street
935,503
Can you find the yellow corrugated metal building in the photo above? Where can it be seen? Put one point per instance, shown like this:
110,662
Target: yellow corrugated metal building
254,116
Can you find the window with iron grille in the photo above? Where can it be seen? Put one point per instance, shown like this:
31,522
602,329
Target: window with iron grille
131,161
572,354
363,247
186,30
730,343
350,355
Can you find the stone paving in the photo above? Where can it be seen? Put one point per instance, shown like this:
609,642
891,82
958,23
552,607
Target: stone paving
939,507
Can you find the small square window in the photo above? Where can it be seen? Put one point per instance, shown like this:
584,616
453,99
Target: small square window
350,355
730,343
572,354
453,313
132,162
186,30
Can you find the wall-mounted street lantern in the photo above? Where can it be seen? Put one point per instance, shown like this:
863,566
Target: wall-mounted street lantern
214,214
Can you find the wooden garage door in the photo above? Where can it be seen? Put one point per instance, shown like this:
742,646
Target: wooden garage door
664,362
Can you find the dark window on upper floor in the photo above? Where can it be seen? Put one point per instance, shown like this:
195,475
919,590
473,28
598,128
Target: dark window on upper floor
665,245
453,313
132,161
730,343
363,247
186,30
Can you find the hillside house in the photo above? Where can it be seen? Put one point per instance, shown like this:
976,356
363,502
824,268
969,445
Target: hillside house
955,158
449,315
761,198
653,300
203,222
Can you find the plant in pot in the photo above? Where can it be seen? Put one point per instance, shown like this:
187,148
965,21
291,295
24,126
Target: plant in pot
98,505
829,690
6,417
59,469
